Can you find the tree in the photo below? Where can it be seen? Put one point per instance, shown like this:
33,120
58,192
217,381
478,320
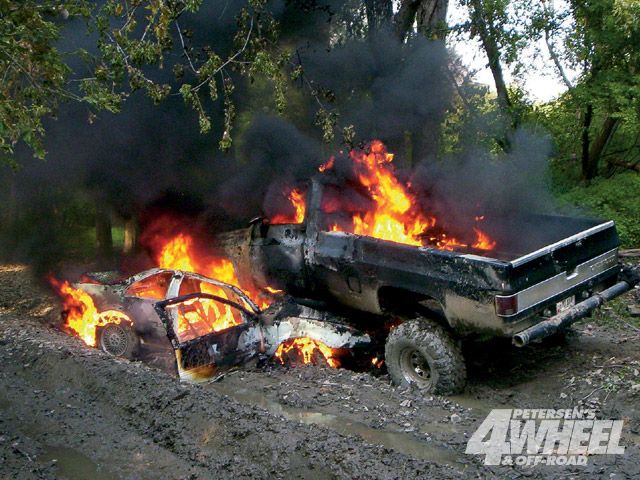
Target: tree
498,25
34,73
601,40
378,13
134,39
430,17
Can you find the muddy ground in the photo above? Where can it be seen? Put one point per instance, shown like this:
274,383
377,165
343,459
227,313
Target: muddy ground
70,411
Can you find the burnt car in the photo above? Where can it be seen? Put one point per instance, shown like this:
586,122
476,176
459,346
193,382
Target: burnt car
199,326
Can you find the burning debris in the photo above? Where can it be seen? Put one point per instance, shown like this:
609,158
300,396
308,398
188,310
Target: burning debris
82,317
93,309
309,350
171,247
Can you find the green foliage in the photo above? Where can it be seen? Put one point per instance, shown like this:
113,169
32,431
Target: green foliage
33,70
327,120
134,39
474,120
616,198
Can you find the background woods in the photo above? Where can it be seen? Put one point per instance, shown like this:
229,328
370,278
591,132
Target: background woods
127,105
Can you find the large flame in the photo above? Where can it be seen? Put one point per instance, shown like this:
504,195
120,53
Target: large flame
297,199
205,315
306,349
179,253
176,244
395,215
82,316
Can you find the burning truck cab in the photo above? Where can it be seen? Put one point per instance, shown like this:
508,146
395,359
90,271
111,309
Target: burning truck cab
362,244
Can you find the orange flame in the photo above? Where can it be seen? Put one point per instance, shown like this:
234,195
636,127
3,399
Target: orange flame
306,349
82,316
297,199
483,242
328,165
377,362
179,253
274,291
395,216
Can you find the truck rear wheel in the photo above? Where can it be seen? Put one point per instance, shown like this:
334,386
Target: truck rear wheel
420,352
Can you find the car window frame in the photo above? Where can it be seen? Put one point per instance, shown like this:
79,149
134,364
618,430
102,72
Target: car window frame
150,274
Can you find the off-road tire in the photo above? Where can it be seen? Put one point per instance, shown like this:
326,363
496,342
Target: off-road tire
119,340
415,342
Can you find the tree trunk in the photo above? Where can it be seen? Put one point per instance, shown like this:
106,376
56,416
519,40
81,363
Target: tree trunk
490,45
11,210
104,240
130,243
586,124
405,17
430,16
619,163
599,145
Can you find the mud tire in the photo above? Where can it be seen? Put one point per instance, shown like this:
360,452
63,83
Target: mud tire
118,340
417,345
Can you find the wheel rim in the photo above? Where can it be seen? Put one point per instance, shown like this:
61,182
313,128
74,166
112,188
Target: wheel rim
114,340
416,368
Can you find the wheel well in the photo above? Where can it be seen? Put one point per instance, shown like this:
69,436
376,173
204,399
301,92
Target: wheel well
409,304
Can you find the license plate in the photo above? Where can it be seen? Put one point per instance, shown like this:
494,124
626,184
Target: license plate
565,304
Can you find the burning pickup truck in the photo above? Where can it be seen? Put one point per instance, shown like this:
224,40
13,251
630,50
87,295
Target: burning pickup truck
362,244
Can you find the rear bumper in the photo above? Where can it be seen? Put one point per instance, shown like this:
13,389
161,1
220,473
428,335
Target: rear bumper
545,328
559,286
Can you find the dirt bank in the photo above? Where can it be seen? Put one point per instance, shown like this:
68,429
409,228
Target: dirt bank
69,411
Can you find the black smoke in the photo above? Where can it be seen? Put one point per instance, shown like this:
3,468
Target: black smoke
151,158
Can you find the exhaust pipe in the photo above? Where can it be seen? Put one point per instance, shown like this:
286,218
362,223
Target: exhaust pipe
575,313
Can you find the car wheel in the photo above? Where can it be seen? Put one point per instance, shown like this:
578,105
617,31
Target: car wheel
119,340
421,353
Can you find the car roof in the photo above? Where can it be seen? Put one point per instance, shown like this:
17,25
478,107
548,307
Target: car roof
153,271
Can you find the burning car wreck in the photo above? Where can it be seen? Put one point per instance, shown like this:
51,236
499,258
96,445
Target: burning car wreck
259,335
200,326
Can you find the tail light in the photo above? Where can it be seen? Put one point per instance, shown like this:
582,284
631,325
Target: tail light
506,306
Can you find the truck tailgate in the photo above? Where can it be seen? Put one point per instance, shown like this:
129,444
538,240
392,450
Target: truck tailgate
579,256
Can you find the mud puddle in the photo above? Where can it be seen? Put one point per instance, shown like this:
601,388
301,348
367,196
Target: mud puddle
400,442
480,406
74,465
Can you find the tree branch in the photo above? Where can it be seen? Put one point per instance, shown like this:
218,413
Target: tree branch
552,52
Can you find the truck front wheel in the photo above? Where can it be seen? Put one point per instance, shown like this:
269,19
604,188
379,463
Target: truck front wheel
420,352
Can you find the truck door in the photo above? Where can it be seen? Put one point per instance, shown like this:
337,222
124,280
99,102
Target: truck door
332,254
